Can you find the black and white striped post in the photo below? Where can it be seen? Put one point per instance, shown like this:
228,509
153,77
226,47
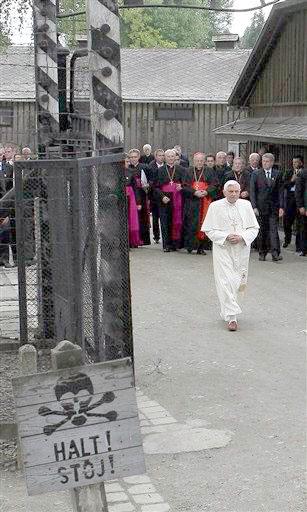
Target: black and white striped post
46,73
104,69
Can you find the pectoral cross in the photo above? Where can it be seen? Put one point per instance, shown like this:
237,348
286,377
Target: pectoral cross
234,224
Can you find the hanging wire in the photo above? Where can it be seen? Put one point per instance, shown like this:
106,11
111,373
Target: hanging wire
175,6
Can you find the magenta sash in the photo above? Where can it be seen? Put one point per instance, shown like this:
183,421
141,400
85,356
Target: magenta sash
176,204
133,219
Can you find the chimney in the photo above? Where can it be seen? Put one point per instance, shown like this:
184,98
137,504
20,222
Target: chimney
81,40
225,41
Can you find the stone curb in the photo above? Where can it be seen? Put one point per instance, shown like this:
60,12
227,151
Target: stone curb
9,344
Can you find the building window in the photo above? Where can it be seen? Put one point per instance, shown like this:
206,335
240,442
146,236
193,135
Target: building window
6,116
174,114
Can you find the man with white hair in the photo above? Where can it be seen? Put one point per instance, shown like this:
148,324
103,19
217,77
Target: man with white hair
240,175
232,226
147,156
26,153
254,162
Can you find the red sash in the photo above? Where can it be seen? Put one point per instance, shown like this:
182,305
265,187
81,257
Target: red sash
204,205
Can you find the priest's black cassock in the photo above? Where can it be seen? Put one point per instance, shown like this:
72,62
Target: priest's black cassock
195,208
168,184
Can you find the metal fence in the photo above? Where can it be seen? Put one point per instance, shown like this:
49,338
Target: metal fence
73,254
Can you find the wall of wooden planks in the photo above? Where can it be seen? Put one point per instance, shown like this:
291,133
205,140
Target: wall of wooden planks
283,153
282,84
141,127
22,129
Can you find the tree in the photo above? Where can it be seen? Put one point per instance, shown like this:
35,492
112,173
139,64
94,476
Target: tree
137,31
252,32
71,27
146,28
4,37
151,28
190,28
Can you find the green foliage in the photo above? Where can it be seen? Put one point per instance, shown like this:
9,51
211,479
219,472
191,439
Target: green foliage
4,37
190,28
145,28
71,27
138,31
252,32
152,28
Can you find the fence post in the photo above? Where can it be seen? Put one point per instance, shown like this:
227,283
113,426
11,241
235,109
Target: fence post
46,73
20,245
91,498
38,257
28,365
103,27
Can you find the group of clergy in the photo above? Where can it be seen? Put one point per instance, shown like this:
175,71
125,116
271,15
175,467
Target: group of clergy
178,196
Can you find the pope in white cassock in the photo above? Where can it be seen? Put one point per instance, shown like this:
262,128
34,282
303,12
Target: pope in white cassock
232,226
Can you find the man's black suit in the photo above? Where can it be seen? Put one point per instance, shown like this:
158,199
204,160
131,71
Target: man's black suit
291,212
266,196
7,211
301,202
153,171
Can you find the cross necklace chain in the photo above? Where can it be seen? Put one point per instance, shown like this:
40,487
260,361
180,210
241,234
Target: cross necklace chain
171,176
233,221
195,177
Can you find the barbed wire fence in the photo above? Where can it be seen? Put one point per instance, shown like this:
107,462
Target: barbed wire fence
44,257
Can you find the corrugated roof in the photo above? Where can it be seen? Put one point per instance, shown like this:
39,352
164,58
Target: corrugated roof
178,75
279,129
164,75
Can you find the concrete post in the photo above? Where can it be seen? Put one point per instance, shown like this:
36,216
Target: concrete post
28,359
91,498
103,26
28,365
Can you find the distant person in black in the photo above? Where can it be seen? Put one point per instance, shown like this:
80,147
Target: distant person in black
220,167
301,202
153,171
210,161
141,176
184,161
230,156
266,193
9,224
254,163
200,188
168,193
241,176
147,155
291,211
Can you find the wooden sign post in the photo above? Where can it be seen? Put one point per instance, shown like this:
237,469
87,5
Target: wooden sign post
79,425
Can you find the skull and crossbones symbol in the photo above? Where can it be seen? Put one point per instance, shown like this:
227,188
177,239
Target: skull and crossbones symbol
75,395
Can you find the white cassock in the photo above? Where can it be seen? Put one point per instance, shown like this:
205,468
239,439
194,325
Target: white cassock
230,261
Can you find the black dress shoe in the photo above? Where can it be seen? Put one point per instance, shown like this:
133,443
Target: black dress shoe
201,252
156,240
285,244
167,249
303,254
277,257
261,257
